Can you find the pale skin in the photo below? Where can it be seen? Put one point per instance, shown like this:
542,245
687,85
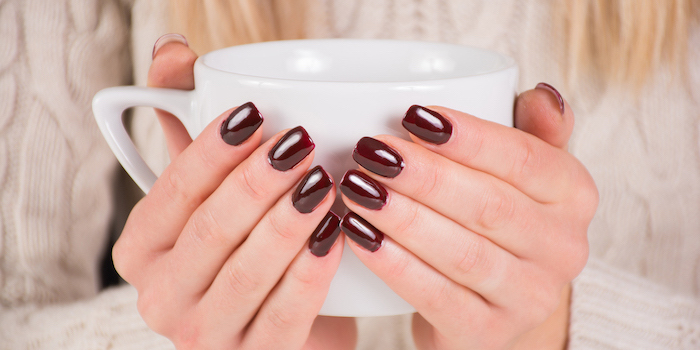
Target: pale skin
485,252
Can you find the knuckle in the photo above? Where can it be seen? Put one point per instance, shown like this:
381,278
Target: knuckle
175,189
252,186
543,303
152,309
281,318
122,257
190,335
399,265
474,258
438,296
431,181
477,140
239,283
410,220
128,255
589,197
576,257
308,279
205,227
209,158
494,209
280,227
525,158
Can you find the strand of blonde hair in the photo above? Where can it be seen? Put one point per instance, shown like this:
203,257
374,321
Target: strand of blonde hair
214,24
624,41
621,41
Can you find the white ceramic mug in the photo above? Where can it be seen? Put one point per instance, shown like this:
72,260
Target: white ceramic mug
339,90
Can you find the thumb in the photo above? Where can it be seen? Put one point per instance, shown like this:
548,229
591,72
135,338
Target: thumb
542,112
172,67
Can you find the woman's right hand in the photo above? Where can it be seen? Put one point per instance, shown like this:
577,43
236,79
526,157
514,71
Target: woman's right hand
218,248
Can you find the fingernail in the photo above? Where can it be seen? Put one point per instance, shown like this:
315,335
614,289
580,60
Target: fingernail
291,149
167,38
377,157
363,190
556,94
240,124
427,124
312,189
325,235
362,232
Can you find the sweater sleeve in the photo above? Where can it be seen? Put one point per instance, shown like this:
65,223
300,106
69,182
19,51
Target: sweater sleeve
612,309
108,321
56,177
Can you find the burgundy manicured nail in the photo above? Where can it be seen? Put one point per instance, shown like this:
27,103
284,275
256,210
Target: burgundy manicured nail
377,157
312,189
363,190
291,149
240,124
427,124
167,38
554,92
362,232
325,235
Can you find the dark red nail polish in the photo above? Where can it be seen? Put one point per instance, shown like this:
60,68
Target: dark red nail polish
241,124
362,232
377,157
427,124
312,189
291,149
363,190
325,235
554,92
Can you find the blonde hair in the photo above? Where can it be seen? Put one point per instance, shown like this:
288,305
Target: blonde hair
617,40
624,40
215,24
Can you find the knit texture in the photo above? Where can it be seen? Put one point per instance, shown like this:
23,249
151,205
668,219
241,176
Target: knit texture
640,290
617,310
55,167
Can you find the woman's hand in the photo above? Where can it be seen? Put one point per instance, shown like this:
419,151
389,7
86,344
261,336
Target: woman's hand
219,248
485,224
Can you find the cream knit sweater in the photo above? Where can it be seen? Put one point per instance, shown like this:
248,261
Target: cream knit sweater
640,289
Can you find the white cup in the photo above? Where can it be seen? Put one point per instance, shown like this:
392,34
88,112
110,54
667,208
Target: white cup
339,90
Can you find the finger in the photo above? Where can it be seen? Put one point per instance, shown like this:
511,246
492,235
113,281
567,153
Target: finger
463,256
220,224
328,332
541,171
543,113
252,271
287,315
173,68
447,305
157,220
471,198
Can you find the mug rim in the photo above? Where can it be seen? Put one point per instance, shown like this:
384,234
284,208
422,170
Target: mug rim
507,64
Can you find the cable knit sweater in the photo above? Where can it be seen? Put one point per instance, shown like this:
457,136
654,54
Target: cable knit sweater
640,289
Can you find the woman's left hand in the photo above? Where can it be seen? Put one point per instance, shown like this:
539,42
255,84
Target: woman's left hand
485,224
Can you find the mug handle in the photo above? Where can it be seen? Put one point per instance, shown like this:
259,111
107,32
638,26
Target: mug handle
108,106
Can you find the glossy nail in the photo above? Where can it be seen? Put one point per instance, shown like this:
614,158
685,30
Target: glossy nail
377,157
167,38
427,125
554,92
325,235
312,189
241,124
291,149
362,232
363,190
